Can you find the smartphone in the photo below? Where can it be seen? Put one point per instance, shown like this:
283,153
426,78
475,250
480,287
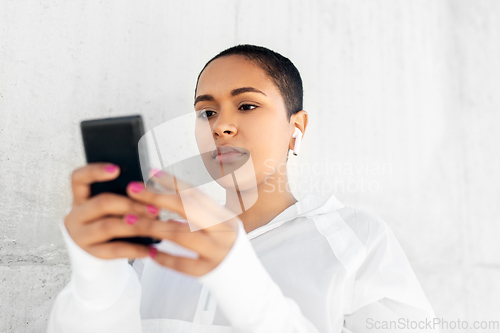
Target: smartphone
116,140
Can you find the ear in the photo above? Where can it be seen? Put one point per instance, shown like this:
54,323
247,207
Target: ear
298,120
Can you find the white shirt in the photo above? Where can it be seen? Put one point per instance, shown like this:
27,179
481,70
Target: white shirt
316,267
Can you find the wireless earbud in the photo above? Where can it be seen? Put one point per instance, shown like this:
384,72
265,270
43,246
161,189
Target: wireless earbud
298,137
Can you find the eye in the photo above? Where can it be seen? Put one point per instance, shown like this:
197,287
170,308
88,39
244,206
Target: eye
203,113
244,107
248,105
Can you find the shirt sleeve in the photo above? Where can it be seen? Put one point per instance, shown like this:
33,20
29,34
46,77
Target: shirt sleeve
101,296
386,295
249,297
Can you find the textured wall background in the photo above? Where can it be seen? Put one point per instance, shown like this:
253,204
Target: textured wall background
402,99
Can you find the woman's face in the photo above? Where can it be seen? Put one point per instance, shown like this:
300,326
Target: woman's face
253,119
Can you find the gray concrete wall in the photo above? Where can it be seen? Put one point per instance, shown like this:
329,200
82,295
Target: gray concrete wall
408,87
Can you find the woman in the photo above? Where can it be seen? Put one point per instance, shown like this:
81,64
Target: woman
279,265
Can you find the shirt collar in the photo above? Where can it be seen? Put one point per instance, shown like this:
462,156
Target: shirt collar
310,204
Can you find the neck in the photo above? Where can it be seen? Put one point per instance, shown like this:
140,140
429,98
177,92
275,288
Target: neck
273,198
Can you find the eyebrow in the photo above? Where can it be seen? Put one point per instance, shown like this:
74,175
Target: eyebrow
234,92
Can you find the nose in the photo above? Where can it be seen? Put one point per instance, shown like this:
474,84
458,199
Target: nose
224,124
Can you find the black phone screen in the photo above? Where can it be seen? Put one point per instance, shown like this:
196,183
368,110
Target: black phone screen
116,140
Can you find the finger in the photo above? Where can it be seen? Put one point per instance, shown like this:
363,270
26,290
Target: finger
105,229
109,228
81,179
174,185
199,198
171,202
199,209
195,267
119,249
180,233
110,204
168,181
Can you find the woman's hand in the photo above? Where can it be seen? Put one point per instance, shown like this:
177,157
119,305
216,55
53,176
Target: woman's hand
215,227
93,221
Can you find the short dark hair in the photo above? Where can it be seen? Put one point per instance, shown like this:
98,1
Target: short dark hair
279,68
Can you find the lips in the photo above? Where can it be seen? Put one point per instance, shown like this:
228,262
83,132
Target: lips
227,150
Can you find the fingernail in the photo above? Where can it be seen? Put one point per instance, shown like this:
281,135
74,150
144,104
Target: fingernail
136,187
131,219
152,209
152,252
157,172
111,168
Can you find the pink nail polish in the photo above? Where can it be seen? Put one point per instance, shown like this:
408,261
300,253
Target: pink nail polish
131,219
111,168
157,172
152,209
152,252
136,187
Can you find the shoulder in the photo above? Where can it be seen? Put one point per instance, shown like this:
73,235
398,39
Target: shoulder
351,233
353,223
331,216
367,226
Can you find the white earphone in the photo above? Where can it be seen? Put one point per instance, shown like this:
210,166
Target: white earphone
298,137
